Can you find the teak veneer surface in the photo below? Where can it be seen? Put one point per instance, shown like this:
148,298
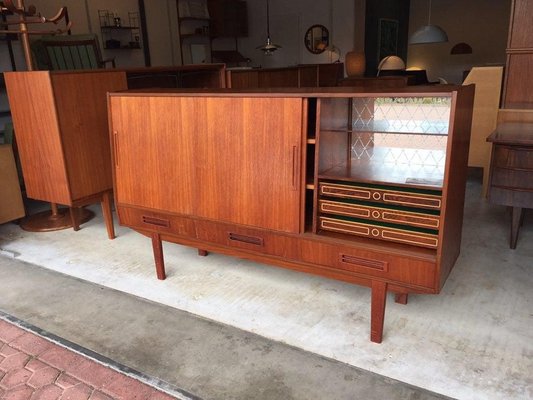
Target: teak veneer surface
239,172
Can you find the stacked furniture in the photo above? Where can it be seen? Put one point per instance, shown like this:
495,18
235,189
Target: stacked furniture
366,188
61,128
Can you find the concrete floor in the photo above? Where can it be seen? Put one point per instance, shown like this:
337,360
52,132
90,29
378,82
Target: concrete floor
472,341
187,356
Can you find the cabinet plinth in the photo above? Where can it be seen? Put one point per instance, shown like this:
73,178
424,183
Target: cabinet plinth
301,187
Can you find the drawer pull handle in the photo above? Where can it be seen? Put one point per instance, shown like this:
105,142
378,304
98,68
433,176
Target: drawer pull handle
364,262
246,239
156,221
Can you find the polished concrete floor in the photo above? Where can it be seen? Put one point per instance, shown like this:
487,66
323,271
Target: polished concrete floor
472,341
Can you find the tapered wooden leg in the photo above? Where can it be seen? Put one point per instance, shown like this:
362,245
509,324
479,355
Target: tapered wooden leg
157,247
73,219
108,215
202,253
377,311
401,298
515,225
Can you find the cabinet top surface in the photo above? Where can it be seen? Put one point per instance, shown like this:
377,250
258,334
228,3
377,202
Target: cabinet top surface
425,91
512,133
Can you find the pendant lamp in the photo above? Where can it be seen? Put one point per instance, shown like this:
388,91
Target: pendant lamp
429,33
268,48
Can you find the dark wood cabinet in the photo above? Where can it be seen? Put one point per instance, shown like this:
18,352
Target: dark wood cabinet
511,171
367,188
518,89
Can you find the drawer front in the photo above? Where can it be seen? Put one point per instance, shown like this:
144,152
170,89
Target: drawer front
379,232
156,222
247,238
404,270
420,220
378,195
512,198
513,157
512,178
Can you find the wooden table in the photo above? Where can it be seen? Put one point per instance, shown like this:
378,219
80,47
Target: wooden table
511,171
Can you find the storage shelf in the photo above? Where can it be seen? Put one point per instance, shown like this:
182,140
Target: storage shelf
375,171
381,128
111,27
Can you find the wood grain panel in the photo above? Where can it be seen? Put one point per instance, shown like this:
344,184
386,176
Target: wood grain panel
154,152
521,30
248,160
518,91
38,136
81,97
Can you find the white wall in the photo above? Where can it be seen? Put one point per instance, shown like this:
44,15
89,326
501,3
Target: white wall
483,24
289,21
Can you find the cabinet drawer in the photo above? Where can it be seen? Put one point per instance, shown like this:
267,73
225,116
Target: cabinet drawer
156,222
511,178
247,238
513,157
380,214
379,195
405,270
379,232
512,198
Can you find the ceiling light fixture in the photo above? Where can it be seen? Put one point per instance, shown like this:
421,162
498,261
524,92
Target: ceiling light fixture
268,48
429,33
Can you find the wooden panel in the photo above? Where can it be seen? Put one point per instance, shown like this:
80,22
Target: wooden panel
379,232
38,136
513,157
410,271
330,74
308,76
151,221
243,79
81,99
510,178
11,206
417,219
488,81
153,152
455,180
518,92
248,239
248,156
278,78
521,30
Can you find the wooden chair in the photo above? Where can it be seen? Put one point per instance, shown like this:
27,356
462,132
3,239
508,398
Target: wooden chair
69,52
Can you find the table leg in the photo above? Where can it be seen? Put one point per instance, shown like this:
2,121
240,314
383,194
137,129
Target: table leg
377,310
515,225
157,247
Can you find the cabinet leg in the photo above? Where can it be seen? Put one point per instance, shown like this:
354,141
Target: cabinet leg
377,310
202,253
515,225
157,247
401,298
74,219
108,215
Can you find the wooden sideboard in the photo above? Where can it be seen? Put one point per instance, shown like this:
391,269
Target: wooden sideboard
511,171
60,120
298,76
366,188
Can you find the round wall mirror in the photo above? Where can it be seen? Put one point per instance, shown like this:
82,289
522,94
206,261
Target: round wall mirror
316,39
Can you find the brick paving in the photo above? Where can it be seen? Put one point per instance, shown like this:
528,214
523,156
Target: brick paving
34,368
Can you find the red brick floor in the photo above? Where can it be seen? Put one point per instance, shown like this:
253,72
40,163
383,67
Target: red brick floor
34,368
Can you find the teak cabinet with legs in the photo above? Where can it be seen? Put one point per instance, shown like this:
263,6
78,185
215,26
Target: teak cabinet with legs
366,188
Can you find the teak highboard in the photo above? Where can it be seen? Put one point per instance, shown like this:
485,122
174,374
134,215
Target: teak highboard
366,188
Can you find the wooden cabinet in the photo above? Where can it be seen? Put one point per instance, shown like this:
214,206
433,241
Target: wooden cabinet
366,188
61,130
61,127
518,79
511,171
305,75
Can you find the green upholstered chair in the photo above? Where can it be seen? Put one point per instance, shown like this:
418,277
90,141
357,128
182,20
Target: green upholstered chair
68,52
